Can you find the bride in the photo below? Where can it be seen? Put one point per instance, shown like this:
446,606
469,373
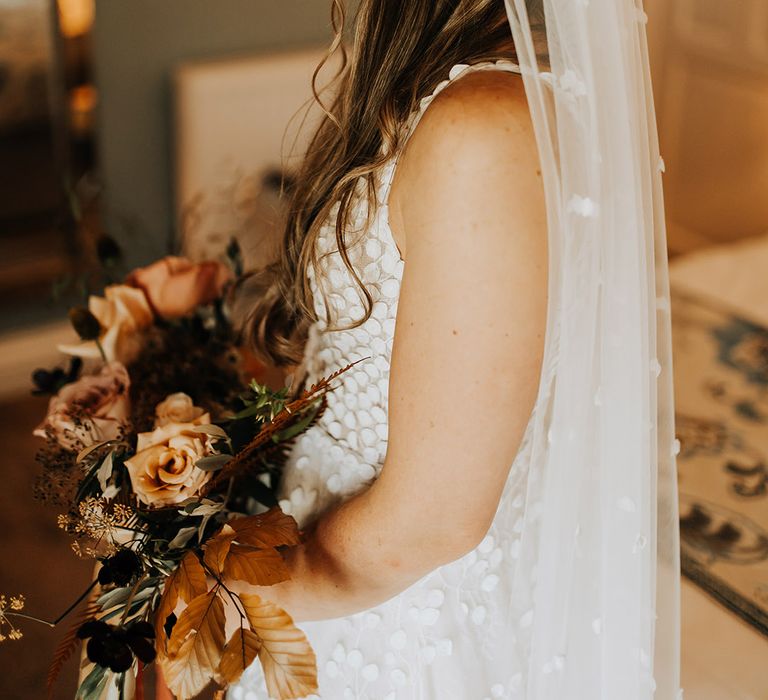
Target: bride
417,251
473,227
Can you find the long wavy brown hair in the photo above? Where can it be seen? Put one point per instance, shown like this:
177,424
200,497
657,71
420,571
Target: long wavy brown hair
400,52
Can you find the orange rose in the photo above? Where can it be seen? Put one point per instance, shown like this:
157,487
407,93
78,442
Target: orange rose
122,312
177,408
93,409
176,286
163,470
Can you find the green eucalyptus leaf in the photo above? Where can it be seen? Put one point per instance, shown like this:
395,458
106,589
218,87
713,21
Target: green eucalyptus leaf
297,428
182,537
105,470
213,462
203,524
93,684
114,597
205,508
91,448
251,410
211,430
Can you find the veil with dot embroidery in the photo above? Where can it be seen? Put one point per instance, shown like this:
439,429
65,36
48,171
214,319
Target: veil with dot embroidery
600,618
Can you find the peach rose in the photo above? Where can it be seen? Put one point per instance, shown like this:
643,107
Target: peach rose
163,470
93,409
123,312
177,408
176,286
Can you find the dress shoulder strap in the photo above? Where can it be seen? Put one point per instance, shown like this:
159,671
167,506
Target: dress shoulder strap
458,71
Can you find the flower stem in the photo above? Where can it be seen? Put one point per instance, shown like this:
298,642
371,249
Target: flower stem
233,596
131,596
101,350
53,623
28,617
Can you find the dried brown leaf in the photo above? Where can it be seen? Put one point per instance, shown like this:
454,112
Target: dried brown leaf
271,529
187,582
241,650
217,548
195,646
259,567
164,609
288,661
189,578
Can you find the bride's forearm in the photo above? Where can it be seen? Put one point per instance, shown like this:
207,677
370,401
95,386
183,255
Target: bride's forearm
353,558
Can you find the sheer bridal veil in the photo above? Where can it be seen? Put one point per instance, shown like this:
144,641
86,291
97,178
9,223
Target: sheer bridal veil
598,610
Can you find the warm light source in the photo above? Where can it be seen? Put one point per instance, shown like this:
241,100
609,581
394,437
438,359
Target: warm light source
82,105
75,16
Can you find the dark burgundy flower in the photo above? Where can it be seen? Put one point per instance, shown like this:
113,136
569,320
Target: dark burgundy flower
121,568
114,646
50,381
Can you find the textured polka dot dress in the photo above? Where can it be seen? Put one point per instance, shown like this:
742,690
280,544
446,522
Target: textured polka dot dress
452,635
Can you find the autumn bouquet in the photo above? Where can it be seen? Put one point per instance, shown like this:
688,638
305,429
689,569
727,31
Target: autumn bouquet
165,460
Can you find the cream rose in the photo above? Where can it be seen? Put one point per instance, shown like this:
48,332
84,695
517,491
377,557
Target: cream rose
93,409
176,286
163,470
123,312
177,408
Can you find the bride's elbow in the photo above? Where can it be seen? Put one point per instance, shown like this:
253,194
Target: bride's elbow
420,552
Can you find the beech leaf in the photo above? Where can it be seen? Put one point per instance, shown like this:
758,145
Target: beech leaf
270,529
288,661
187,582
259,567
195,647
189,578
241,650
217,548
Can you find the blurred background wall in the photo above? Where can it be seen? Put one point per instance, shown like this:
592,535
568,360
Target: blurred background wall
710,71
137,45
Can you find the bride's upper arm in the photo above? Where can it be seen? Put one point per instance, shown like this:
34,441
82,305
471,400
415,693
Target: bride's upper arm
471,317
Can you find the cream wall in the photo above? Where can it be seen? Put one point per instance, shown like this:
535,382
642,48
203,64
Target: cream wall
710,69
137,46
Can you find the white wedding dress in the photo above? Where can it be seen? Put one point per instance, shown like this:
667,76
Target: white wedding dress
454,634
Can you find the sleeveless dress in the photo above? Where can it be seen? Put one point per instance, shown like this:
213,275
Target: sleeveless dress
454,634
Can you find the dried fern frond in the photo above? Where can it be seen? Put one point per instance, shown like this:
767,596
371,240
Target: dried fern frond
69,644
291,415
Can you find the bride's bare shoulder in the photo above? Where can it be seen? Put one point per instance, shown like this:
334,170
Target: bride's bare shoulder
481,104
478,92
479,120
477,128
